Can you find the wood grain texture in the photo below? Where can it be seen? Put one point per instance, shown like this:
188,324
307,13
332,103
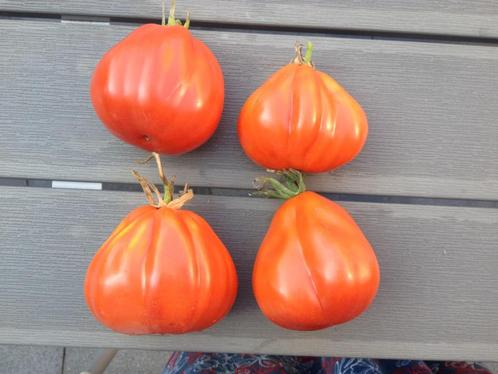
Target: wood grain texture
432,110
449,17
438,296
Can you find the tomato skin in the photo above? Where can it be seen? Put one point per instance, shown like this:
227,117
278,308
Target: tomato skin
159,89
161,271
301,118
315,268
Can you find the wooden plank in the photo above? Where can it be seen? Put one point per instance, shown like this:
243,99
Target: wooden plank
431,109
450,17
438,295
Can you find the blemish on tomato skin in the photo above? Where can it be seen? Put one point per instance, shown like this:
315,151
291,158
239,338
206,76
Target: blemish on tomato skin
146,138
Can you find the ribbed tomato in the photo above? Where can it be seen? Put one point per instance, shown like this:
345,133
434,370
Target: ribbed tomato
315,268
160,89
162,270
301,118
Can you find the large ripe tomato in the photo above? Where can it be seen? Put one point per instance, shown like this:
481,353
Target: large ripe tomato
159,89
301,118
315,268
162,270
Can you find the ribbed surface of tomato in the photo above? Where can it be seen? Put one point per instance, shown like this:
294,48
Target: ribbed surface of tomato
161,271
160,89
315,268
303,119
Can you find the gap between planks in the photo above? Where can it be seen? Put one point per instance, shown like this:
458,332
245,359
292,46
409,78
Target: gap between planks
240,192
270,29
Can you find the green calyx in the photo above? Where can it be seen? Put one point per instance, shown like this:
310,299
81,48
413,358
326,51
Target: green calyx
287,184
171,17
306,58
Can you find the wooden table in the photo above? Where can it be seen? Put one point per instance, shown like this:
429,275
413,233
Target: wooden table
425,188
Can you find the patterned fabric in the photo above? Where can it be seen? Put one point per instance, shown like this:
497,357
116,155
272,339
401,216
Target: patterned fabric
334,365
209,363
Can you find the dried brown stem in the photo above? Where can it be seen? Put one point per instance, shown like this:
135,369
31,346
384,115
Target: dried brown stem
150,189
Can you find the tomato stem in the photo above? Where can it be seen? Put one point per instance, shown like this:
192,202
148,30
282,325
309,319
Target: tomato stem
289,183
187,20
167,184
309,51
168,199
299,58
171,18
163,18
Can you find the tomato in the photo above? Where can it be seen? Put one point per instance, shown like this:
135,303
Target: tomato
315,268
160,89
162,270
301,118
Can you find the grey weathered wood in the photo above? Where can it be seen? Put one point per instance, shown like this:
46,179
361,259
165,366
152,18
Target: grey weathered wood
438,295
451,17
432,110
15,359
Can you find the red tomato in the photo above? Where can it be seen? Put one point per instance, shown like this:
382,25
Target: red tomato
159,89
315,268
163,270
302,119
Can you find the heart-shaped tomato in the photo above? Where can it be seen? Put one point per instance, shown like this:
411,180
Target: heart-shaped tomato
301,118
163,270
315,268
